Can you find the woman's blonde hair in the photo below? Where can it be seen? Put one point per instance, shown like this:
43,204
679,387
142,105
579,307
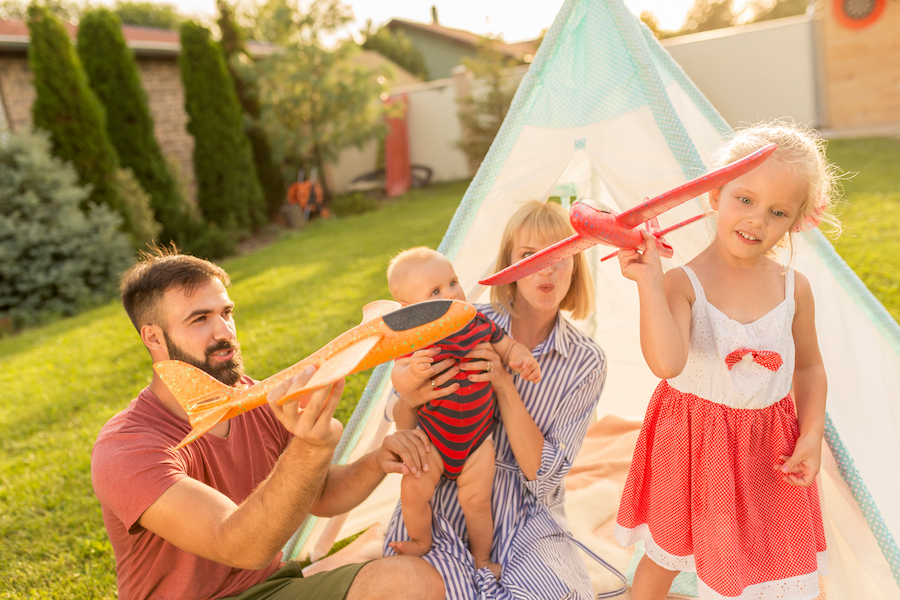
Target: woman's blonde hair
802,150
549,222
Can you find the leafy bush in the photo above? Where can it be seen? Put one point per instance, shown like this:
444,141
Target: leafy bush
67,108
55,258
243,72
353,204
396,46
228,191
146,228
113,75
148,14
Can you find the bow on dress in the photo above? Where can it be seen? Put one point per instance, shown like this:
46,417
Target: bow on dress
767,358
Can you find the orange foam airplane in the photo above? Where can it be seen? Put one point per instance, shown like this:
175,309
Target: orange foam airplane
385,333
597,224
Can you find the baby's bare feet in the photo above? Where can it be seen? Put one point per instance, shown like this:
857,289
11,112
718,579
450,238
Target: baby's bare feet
410,548
494,567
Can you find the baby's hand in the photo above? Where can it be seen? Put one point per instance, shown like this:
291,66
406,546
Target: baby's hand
521,361
420,364
802,466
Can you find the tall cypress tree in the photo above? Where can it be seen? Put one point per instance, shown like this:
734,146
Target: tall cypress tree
113,75
66,107
228,190
270,175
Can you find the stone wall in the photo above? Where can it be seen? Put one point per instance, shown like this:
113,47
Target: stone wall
161,79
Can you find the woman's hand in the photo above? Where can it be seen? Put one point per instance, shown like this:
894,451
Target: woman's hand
404,411
485,365
431,389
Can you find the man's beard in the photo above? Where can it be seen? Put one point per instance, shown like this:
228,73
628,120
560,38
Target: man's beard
228,372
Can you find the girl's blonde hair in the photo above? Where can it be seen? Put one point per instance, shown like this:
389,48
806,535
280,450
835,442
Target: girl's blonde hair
803,150
549,222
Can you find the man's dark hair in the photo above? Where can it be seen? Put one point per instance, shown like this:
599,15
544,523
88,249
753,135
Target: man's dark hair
158,270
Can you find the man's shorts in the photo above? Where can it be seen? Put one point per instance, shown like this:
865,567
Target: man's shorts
288,583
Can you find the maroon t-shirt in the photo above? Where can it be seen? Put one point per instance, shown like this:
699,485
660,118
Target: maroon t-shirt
133,463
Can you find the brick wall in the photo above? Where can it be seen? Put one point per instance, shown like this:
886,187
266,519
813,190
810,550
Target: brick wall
161,79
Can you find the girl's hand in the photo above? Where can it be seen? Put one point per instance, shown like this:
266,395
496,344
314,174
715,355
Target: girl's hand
637,265
485,365
802,466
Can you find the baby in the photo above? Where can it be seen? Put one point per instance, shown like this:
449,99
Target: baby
459,424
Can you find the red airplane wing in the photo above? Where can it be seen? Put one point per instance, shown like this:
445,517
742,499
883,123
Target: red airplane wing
540,260
656,206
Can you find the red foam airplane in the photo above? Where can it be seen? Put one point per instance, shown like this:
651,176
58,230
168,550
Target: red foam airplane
597,224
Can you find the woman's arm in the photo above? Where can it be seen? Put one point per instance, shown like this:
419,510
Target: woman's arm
525,438
810,388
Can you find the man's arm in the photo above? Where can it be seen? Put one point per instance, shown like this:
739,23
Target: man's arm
347,486
203,521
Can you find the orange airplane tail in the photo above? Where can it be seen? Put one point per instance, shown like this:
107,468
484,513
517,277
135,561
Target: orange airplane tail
203,397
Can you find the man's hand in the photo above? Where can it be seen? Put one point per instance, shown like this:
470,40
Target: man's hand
315,425
405,451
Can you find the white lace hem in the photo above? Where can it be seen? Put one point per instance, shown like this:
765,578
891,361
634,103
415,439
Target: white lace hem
801,587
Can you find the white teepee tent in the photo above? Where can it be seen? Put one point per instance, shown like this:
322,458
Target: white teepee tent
604,112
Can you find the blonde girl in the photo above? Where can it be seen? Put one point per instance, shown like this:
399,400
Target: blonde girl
723,477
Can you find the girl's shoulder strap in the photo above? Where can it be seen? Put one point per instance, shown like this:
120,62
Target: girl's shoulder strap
789,282
695,283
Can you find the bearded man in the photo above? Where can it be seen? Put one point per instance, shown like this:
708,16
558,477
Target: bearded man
209,520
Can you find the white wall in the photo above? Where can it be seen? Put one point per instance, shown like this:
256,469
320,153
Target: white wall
434,129
754,72
749,73
351,163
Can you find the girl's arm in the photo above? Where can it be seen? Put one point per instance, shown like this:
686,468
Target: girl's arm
810,387
665,305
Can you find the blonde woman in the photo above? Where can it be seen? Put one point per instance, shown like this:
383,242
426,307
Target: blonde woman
541,429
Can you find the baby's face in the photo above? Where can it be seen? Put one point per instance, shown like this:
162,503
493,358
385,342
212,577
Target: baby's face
433,279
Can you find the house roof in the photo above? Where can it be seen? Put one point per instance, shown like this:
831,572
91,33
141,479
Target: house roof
145,41
520,51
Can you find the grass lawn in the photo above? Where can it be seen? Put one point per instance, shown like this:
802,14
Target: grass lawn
61,382
871,214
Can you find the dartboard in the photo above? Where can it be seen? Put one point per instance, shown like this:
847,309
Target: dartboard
857,14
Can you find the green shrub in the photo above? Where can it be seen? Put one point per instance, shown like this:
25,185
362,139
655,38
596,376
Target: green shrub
55,258
240,65
228,191
113,75
146,228
67,108
353,204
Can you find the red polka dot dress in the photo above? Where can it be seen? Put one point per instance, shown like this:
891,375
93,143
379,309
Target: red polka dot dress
701,492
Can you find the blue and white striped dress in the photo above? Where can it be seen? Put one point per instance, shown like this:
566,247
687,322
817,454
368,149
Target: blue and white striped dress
539,560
